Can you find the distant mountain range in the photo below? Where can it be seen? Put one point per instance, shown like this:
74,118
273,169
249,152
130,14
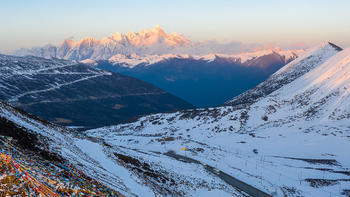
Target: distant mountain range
71,93
147,42
204,81
205,74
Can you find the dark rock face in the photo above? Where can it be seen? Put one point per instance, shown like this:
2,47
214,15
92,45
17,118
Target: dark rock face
203,83
75,94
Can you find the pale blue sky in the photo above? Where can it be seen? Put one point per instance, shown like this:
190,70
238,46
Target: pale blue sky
27,23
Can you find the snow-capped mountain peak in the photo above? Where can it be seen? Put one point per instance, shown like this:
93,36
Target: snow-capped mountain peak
333,75
148,41
144,43
117,37
156,36
67,43
324,49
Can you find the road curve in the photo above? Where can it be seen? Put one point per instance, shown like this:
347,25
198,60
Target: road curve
240,185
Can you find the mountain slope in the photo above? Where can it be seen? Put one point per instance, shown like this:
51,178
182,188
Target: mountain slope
289,73
32,166
290,141
197,78
94,160
70,93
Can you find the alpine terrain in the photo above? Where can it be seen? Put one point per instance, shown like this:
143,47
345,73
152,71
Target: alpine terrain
221,99
290,137
43,159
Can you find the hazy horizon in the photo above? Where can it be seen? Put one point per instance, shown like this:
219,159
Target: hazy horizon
36,23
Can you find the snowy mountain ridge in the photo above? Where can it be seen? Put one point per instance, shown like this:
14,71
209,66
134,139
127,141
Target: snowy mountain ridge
135,60
153,41
306,62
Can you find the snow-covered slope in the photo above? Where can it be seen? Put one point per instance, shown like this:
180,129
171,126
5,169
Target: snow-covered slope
71,93
31,163
65,143
292,140
108,164
306,62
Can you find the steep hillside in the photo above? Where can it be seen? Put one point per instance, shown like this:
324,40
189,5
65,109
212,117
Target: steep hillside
71,93
307,61
67,162
290,140
31,166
